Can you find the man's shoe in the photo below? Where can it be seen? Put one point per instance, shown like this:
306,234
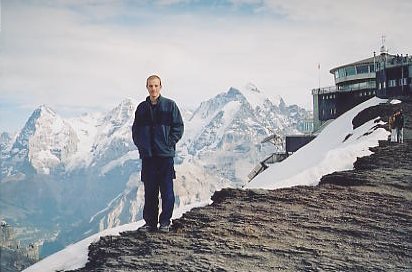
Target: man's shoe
164,228
147,228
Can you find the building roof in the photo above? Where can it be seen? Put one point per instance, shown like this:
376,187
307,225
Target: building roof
370,60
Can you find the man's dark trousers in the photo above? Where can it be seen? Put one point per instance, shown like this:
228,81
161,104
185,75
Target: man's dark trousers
158,174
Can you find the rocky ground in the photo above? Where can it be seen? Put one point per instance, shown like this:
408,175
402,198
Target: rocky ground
358,220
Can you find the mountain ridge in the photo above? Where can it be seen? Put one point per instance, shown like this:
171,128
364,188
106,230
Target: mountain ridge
91,159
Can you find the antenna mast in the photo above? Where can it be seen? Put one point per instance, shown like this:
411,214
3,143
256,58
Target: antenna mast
384,50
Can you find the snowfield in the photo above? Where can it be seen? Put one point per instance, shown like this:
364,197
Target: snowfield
327,153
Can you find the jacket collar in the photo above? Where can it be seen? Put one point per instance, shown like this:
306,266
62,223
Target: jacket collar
159,99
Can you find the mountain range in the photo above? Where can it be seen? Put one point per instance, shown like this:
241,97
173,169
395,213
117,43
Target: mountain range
327,206
63,179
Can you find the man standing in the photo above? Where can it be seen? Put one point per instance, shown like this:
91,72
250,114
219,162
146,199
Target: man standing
399,122
157,127
392,127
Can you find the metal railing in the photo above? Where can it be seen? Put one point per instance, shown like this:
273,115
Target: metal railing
357,86
324,90
349,88
394,62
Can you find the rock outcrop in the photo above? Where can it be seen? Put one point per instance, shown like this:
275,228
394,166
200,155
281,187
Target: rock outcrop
358,220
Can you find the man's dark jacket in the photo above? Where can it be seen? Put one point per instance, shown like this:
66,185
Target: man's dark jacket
157,129
399,121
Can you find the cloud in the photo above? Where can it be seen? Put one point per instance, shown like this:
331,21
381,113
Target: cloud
171,2
92,55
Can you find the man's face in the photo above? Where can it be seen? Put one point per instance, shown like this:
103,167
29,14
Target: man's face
153,86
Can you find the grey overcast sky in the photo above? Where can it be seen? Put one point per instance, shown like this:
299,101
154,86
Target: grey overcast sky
87,55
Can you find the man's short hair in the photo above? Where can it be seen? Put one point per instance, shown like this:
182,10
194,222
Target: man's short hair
153,77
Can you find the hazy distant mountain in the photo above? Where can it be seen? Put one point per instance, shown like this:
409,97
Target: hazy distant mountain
229,129
80,175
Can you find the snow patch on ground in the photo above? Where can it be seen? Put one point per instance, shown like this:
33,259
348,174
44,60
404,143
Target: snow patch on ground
75,255
327,153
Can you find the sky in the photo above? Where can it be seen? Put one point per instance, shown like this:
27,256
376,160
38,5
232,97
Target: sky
85,56
333,152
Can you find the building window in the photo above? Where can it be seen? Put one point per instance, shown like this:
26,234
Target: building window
392,83
342,72
378,66
350,71
362,69
403,82
384,85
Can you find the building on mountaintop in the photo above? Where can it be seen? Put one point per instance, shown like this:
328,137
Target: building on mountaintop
383,75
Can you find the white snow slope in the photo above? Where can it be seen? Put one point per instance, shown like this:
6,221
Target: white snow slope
327,153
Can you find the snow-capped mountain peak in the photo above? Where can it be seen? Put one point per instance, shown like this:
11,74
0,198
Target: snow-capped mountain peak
92,158
42,112
45,141
251,87
235,122
122,113
41,116
256,97
44,109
